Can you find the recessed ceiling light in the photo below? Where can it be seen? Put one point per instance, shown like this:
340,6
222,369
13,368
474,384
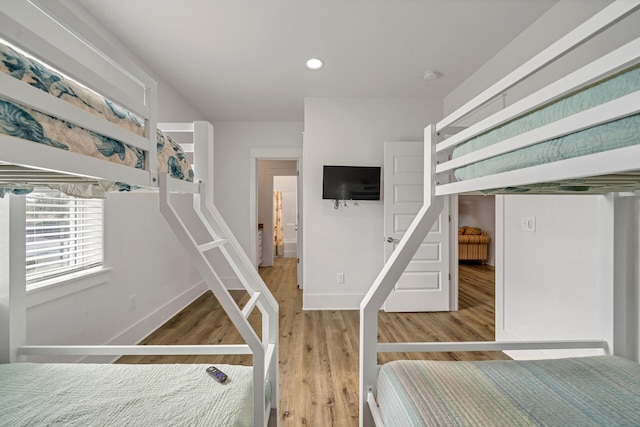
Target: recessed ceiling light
315,64
430,75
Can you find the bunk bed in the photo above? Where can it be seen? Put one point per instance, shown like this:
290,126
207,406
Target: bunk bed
86,123
578,135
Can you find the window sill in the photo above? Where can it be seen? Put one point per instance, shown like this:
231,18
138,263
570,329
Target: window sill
53,289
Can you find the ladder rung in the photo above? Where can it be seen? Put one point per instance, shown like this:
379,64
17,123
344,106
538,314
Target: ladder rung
246,311
211,245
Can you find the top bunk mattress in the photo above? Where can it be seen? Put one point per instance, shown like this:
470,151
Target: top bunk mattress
28,124
607,136
35,394
585,391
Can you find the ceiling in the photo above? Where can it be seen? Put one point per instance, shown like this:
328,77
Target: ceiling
244,59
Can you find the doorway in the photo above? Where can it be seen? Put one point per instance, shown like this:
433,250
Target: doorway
285,216
265,164
272,235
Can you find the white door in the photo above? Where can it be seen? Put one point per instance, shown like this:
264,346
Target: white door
424,286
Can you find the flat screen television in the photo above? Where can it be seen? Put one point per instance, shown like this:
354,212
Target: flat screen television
351,182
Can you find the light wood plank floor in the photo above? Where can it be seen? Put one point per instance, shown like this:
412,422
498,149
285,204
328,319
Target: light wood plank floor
319,349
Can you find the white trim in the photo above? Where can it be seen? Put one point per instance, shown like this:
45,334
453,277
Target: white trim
143,327
408,347
375,409
331,301
611,63
612,161
31,154
52,289
603,113
132,350
265,153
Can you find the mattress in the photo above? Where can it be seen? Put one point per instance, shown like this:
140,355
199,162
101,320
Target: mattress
608,136
28,124
587,391
33,394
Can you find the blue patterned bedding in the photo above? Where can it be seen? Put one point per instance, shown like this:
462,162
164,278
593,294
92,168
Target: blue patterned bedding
25,123
585,391
607,136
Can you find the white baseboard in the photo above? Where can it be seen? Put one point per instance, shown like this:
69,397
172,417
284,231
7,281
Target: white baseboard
145,326
232,283
331,301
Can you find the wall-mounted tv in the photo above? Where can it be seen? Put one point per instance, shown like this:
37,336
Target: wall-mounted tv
351,182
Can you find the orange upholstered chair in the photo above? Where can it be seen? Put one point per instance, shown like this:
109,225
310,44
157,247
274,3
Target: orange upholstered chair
473,244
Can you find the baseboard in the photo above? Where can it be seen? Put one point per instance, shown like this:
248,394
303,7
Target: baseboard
145,326
331,301
232,283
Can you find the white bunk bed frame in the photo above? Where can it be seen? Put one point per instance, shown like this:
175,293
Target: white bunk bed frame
437,182
76,49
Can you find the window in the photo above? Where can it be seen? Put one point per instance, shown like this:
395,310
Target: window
64,235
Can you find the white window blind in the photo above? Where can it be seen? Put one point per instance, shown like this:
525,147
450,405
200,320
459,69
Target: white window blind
64,235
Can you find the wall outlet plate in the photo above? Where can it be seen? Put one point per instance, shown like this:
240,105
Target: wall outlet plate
528,223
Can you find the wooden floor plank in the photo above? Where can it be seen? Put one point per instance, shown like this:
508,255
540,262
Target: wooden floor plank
319,349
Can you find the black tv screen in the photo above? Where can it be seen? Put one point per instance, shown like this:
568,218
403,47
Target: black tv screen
351,182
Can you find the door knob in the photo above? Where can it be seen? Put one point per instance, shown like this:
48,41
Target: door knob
392,240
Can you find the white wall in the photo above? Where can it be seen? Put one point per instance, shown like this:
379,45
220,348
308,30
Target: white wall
146,261
479,211
346,131
555,282
233,142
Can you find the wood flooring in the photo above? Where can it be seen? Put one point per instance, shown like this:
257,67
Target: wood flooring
319,349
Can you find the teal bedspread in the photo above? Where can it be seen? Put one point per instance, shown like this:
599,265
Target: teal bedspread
586,391
69,395
608,136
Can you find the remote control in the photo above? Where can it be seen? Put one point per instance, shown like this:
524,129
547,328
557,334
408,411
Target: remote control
217,374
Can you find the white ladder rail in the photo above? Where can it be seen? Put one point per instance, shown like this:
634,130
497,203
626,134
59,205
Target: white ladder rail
215,284
204,267
231,254
245,269
389,275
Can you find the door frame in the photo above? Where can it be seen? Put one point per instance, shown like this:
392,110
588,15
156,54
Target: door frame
272,153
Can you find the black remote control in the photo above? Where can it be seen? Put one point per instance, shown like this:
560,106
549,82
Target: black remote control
217,374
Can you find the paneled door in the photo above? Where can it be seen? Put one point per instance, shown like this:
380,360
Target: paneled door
424,286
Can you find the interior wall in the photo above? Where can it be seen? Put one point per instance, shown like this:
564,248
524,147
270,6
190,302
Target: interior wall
554,282
347,131
146,262
266,170
479,211
233,141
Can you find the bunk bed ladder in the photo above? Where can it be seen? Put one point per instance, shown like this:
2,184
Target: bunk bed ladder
216,254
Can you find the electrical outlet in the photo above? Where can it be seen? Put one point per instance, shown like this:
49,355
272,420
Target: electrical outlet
340,278
528,223
132,302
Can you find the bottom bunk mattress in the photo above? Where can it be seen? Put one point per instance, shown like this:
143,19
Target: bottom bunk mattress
585,391
34,394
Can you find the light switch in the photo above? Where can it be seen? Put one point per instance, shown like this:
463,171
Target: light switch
528,223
